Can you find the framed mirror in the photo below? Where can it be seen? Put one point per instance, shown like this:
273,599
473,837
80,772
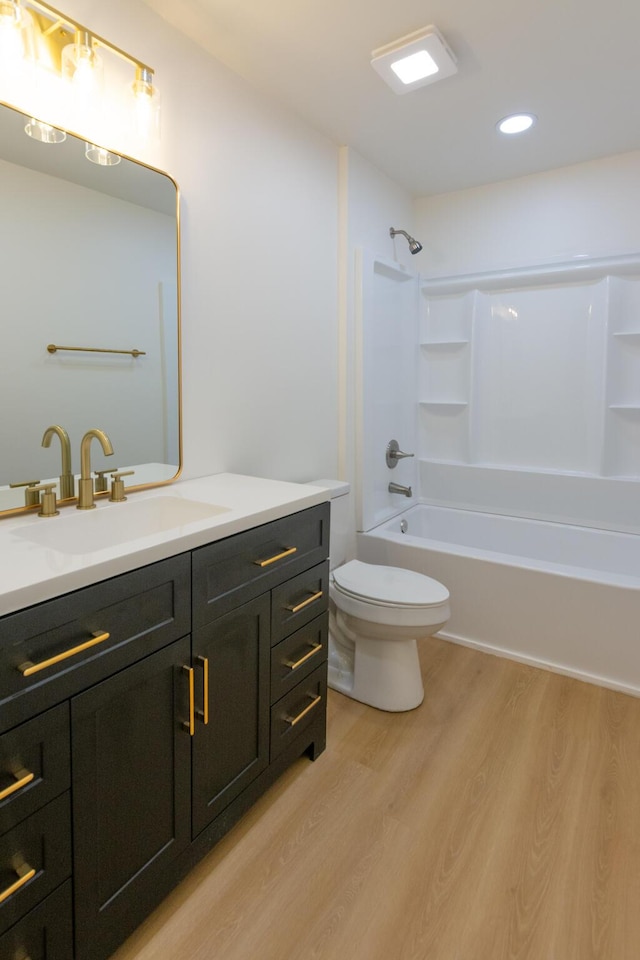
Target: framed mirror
89,256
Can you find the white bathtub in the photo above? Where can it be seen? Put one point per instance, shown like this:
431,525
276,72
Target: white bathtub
557,596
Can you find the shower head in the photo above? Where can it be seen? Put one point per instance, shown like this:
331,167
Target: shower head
414,245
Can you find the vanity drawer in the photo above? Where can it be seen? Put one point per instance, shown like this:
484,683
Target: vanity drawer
304,705
256,561
34,765
46,933
35,857
298,655
299,600
53,650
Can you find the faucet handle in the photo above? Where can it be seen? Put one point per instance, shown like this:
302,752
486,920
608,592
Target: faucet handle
100,484
394,453
48,505
31,498
117,485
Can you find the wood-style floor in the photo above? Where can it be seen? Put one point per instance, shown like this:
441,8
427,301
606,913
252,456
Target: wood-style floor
499,820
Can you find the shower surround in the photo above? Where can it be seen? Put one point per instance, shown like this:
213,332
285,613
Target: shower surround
520,395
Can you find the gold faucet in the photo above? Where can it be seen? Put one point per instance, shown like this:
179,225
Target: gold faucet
67,485
85,484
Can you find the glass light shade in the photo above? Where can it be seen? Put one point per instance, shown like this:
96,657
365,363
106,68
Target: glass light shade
83,67
146,105
44,132
16,32
104,158
17,52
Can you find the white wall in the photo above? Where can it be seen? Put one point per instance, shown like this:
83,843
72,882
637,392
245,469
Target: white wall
370,203
259,253
588,209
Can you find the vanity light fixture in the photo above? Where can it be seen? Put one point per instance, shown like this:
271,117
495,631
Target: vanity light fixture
516,123
413,61
48,58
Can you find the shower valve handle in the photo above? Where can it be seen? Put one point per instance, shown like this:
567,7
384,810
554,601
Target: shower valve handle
394,453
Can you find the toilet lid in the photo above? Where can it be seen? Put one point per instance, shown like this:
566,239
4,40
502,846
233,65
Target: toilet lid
392,585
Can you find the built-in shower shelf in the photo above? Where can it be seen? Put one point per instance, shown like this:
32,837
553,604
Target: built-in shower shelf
444,344
444,406
633,335
625,407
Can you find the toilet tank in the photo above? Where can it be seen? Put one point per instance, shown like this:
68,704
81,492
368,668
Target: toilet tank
339,492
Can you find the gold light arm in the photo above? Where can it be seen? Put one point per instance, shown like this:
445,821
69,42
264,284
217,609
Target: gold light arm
57,19
27,669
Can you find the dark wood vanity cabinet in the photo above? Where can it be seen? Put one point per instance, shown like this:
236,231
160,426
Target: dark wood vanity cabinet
123,761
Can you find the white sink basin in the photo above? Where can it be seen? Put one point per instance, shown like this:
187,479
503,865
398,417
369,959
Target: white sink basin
88,531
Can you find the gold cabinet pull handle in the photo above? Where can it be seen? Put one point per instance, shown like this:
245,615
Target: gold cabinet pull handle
25,873
204,713
278,556
191,725
27,669
314,703
293,665
305,603
23,778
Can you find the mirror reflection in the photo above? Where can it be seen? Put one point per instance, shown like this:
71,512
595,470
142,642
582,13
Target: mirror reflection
90,321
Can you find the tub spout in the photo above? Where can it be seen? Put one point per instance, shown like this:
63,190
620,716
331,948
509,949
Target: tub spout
398,488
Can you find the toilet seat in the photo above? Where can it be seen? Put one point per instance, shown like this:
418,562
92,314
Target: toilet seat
388,586
389,595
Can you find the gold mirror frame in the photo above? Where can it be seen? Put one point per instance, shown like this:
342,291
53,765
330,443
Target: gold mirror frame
97,341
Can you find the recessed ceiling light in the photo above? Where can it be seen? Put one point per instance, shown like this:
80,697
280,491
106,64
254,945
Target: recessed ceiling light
516,123
415,60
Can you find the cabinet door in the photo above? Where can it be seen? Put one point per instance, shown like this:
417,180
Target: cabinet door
233,747
131,784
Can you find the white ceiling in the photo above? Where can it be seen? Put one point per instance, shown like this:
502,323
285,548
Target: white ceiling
574,63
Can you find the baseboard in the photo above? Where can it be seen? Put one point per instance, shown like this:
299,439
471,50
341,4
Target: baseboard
598,681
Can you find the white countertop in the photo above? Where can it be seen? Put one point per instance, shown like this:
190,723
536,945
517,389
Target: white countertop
41,558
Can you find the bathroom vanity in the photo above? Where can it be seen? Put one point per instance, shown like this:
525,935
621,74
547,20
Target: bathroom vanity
150,691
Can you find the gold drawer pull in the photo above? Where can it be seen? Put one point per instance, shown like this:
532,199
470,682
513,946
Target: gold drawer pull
278,556
23,779
305,603
314,703
28,668
298,663
204,713
25,873
191,725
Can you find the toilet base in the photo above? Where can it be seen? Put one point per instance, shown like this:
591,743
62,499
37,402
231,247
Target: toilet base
379,671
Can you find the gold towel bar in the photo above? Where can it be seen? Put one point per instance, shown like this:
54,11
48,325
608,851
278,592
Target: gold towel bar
53,348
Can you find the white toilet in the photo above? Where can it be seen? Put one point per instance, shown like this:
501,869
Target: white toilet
376,616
